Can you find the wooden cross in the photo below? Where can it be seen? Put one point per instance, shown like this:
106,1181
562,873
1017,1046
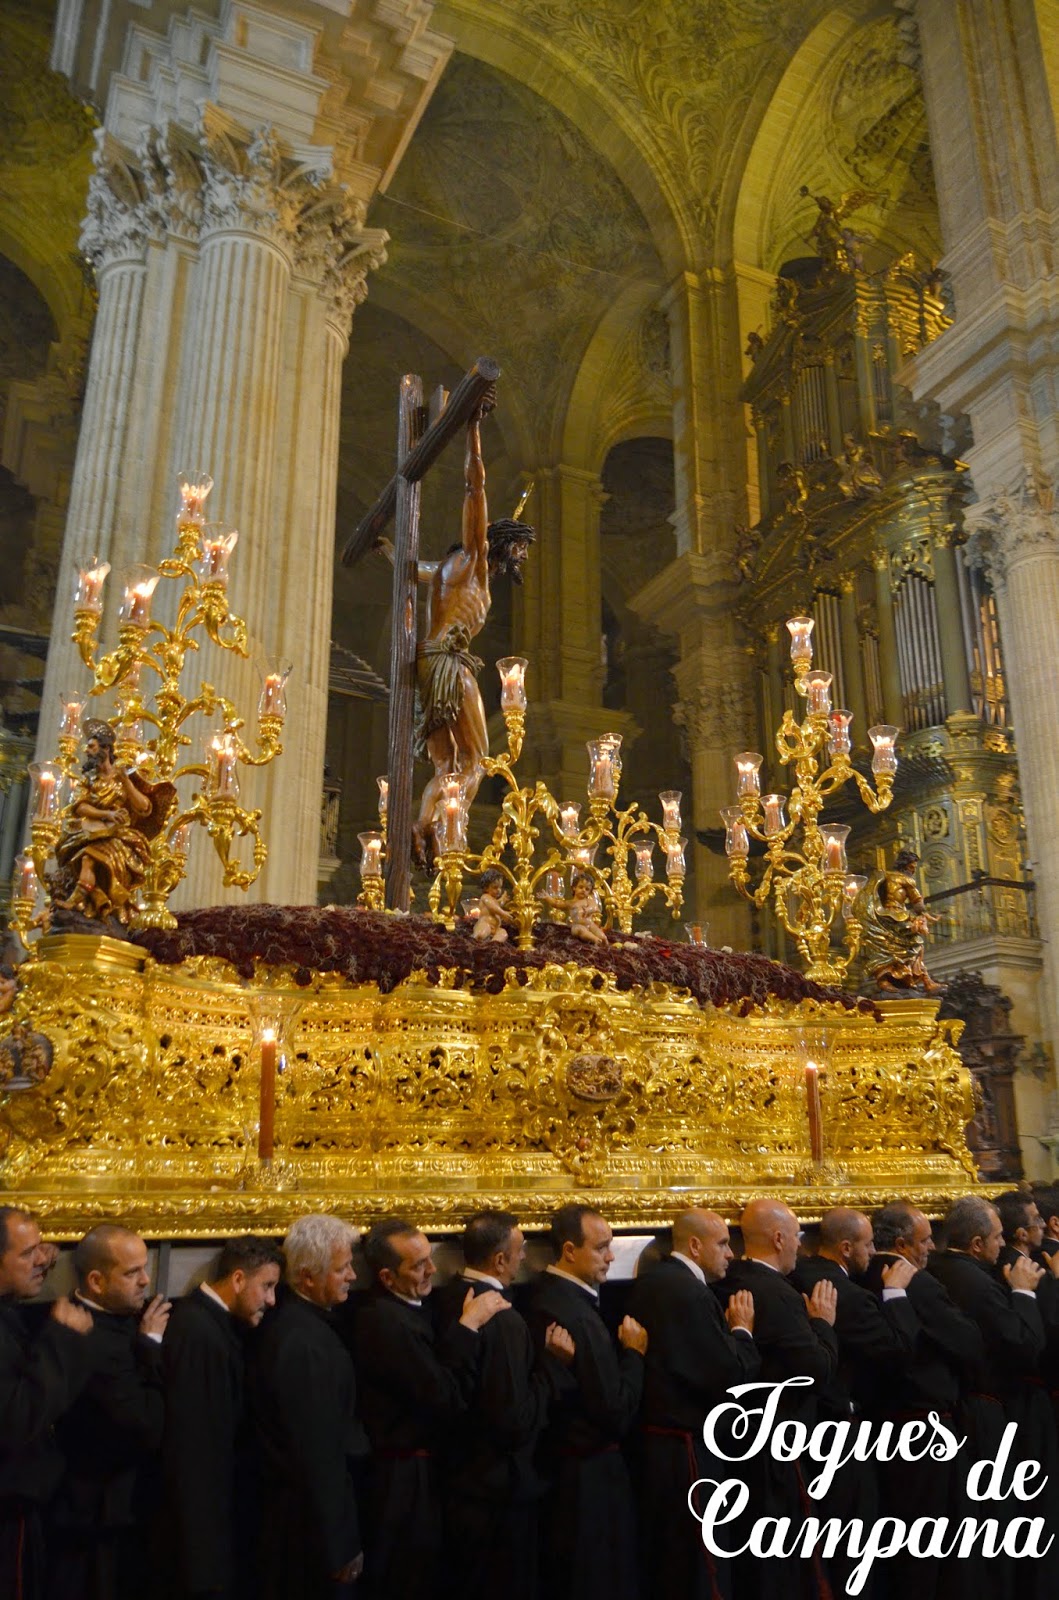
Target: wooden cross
422,435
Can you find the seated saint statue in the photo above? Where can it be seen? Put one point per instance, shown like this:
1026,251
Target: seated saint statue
896,921
104,850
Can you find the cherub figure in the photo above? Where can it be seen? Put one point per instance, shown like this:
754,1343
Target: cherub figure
583,909
493,918
859,478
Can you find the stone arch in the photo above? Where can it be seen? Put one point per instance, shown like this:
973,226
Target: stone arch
623,387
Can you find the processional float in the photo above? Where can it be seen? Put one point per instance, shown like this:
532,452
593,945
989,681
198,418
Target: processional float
515,1042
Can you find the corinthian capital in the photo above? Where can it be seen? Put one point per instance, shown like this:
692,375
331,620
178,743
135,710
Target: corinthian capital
336,252
1014,525
117,221
249,184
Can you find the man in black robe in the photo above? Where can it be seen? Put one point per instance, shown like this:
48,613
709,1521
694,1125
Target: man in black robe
312,1445
40,1378
112,1435
796,1338
589,1544
875,1337
205,1449
1007,1315
695,1352
491,1483
933,1377
413,1388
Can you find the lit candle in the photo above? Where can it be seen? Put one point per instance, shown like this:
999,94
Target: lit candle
70,709
25,884
584,855
602,781
453,813
670,799
266,1125
180,840
801,632
135,608
818,693
884,757
696,932
838,739
736,838
88,588
854,883
834,836
775,821
224,756
370,854
748,773
675,858
471,907
553,884
569,819
194,488
273,701
645,869
812,1097
384,799
46,777
512,670
218,542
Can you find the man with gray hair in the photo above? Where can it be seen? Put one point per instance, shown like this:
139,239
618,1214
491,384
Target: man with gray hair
312,1446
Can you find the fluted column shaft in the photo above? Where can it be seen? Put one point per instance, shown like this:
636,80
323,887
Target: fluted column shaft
889,669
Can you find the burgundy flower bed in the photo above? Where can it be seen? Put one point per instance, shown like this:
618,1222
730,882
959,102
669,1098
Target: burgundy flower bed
371,947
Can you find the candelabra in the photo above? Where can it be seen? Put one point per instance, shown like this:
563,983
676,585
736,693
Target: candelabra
807,877
151,728
536,874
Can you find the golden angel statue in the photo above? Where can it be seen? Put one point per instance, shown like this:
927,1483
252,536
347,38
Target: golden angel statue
896,921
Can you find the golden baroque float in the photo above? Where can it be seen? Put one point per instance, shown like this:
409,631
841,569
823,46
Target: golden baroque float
437,1096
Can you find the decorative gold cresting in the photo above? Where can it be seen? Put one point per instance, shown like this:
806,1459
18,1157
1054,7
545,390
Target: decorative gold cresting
152,728
806,870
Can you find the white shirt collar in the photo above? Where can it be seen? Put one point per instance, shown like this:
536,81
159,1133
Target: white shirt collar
569,1277
692,1266
770,1264
482,1277
92,1305
206,1289
405,1299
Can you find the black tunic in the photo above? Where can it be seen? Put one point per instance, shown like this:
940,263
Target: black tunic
203,1447
589,1546
110,1439
40,1378
312,1448
792,1344
692,1360
412,1390
491,1483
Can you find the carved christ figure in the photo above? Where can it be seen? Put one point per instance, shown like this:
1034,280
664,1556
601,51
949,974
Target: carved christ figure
451,730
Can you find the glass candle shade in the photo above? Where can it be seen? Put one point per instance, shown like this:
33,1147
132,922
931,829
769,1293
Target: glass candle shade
570,819
884,757
273,700
775,821
748,774
838,738
696,932
135,608
25,884
675,867
452,830
194,489
801,632
584,855
218,542
88,587
180,840
854,883
670,799
512,670
70,709
470,905
384,799
645,867
736,838
222,757
46,778
370,854
834,836
553,884
603,767
818,693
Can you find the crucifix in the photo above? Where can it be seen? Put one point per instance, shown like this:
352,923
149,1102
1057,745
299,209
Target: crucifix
453,732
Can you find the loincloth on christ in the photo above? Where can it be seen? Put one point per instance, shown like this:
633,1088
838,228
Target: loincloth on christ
440,664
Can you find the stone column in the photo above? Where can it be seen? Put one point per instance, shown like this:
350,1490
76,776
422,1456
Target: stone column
889,668
852,664
997,178
955,675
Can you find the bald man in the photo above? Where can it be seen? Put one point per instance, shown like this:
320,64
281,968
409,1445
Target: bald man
112,1435
795,1335
695,1352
